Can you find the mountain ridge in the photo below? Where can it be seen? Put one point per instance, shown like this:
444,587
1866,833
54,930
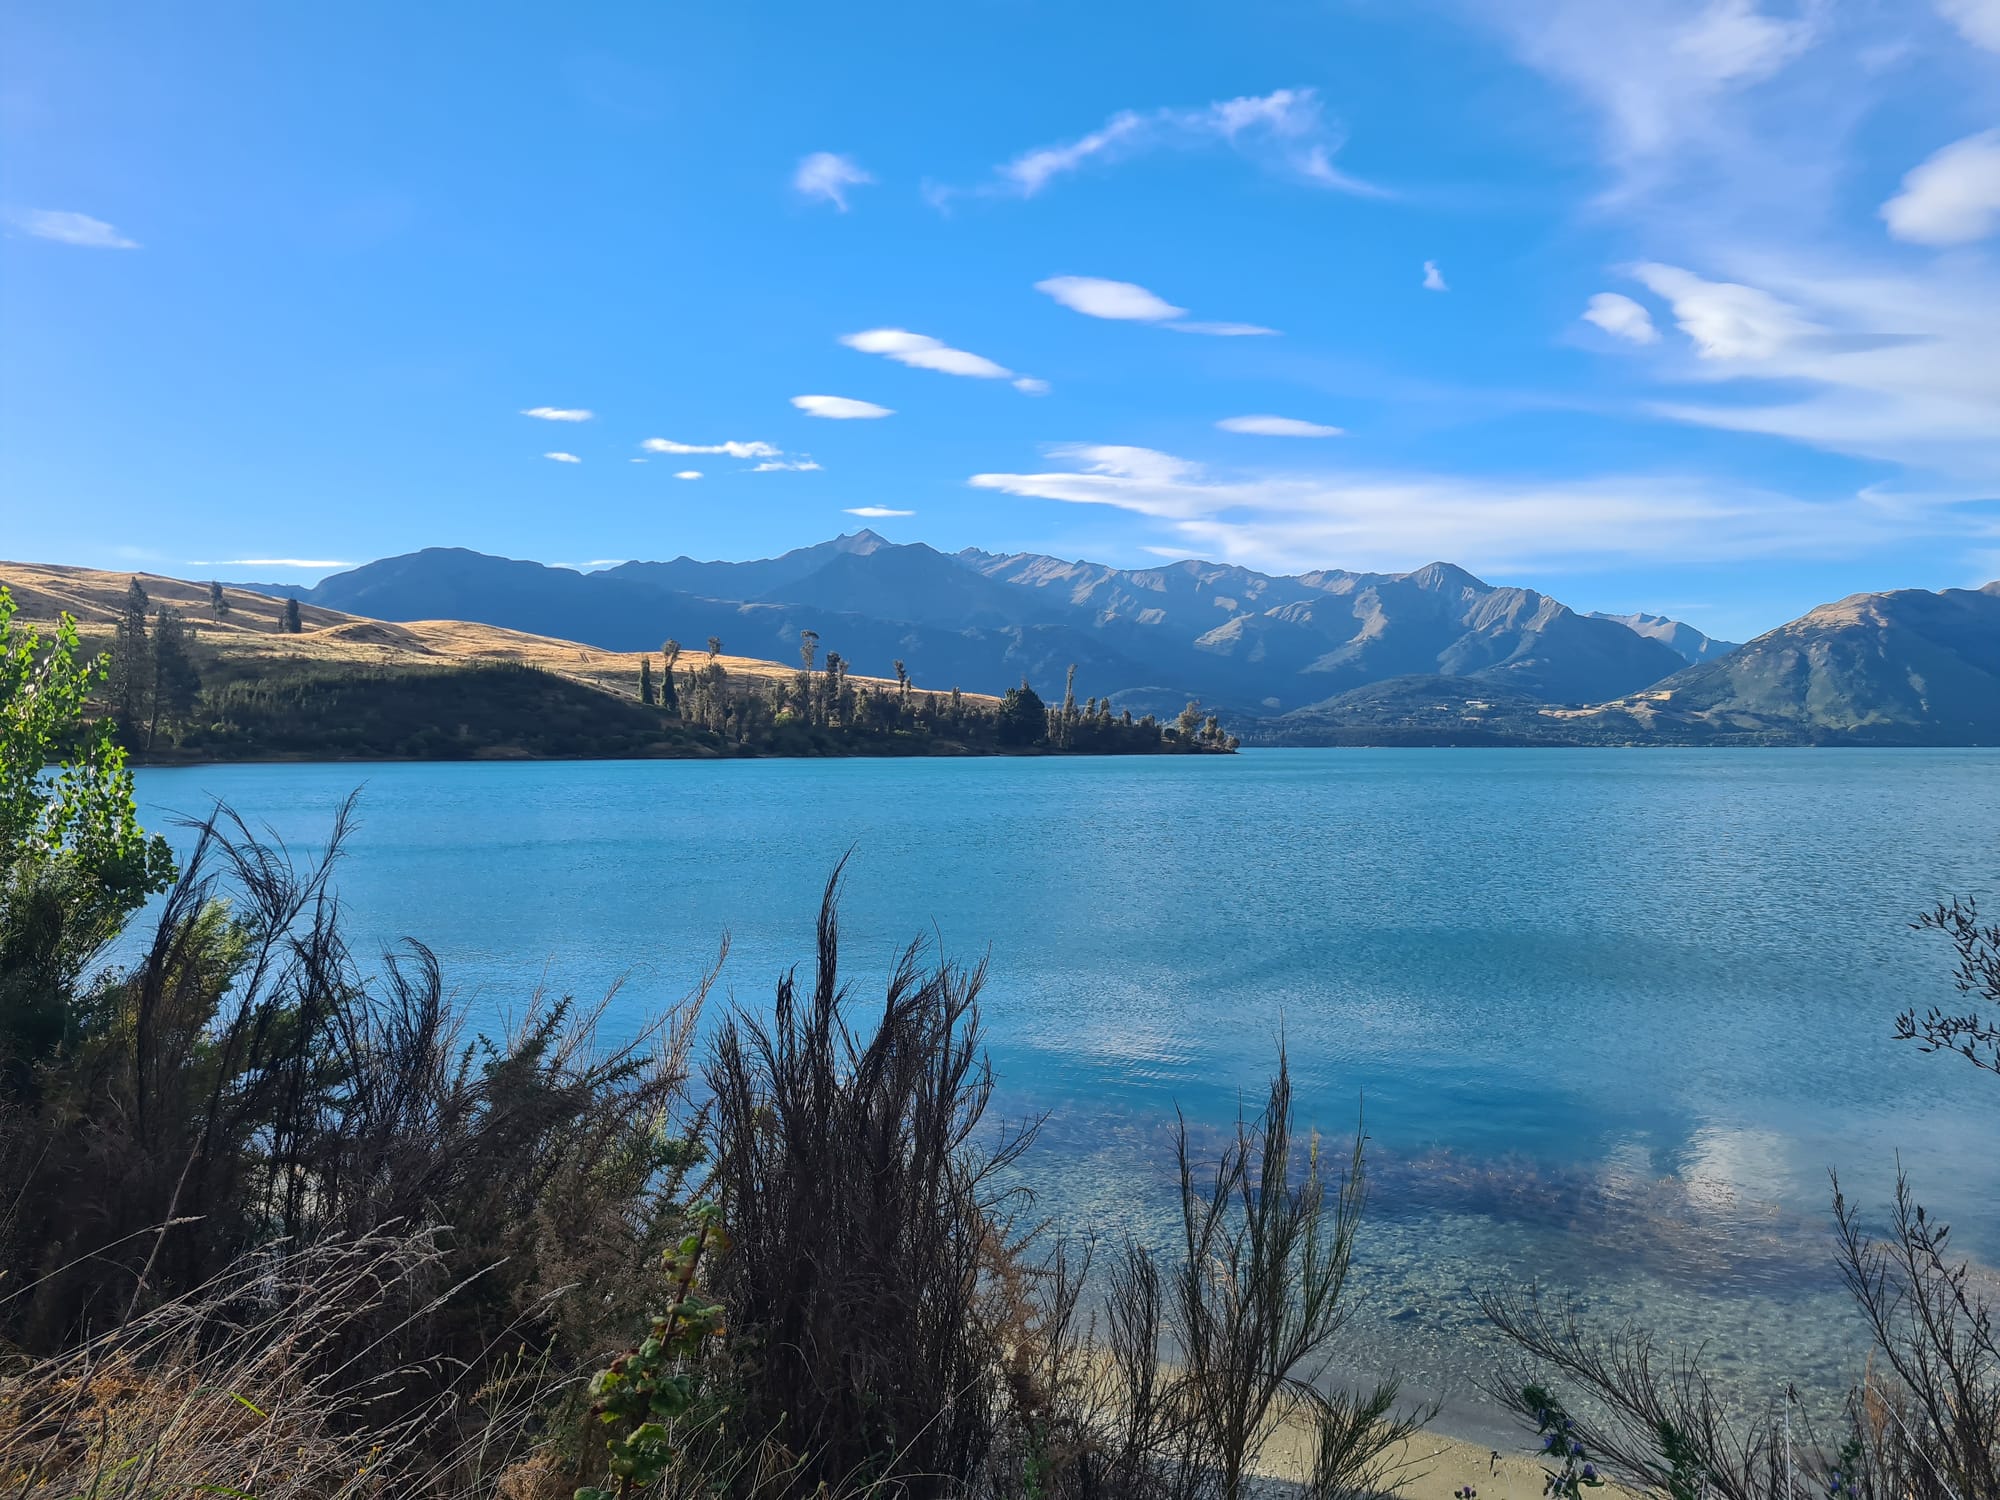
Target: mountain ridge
1220,632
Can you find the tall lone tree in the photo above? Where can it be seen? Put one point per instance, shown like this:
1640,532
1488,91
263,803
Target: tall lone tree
176,682
714,647
670,694
218,602
293,625
646,693
131,685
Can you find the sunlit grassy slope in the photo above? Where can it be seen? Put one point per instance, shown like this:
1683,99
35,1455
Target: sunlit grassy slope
252,631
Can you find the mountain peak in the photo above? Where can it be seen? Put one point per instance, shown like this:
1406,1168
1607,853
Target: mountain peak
866,540
1444,575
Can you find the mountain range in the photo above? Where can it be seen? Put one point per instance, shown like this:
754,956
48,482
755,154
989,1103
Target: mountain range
1435,655
1253,643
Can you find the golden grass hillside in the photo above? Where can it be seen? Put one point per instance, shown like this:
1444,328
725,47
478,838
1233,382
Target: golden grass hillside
253,629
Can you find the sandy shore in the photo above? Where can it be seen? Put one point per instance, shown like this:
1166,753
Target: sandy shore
1433,1465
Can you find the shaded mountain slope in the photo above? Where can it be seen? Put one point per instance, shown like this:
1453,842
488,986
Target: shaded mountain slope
618,612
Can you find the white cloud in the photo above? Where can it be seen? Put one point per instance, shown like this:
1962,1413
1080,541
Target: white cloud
1267,426
688,474
271,562
828,175
635,460
787,465
1726,320
921,351
1434,278
1029,385
1952,198
1978,21
1095,297
1621,317
558,413
840,408
1284,131
1225,330
1128,302
728,450
71,229
1290,521
563,458
878,512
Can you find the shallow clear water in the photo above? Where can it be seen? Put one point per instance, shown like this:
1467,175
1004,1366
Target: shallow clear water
1614,1014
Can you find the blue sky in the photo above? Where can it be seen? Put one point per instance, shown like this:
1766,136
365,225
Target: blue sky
1687,305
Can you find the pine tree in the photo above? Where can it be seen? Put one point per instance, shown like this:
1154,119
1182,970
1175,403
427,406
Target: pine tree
131,687
176,682
646,693
218,602
294,625
714,647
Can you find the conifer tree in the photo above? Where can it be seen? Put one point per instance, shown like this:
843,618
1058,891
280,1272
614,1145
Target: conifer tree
646,694
176,682
294,624
218,602
714,647
131,686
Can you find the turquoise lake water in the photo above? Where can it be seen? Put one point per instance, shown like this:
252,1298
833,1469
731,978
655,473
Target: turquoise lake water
1613,1014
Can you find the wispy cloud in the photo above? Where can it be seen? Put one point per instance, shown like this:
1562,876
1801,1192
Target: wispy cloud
800,465
1294,520
1267,426
1954,197
270,562
558,413
840,408
1621,317
1657,70
1224,330
563,458
1978,21
877,512
828,175
1285,131
1434,278
1878,363
728,450
1128,302
688,474
922,352
67,228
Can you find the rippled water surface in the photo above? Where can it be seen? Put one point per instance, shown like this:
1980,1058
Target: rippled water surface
1613,1014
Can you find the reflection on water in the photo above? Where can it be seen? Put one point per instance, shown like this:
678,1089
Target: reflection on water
1613,1015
